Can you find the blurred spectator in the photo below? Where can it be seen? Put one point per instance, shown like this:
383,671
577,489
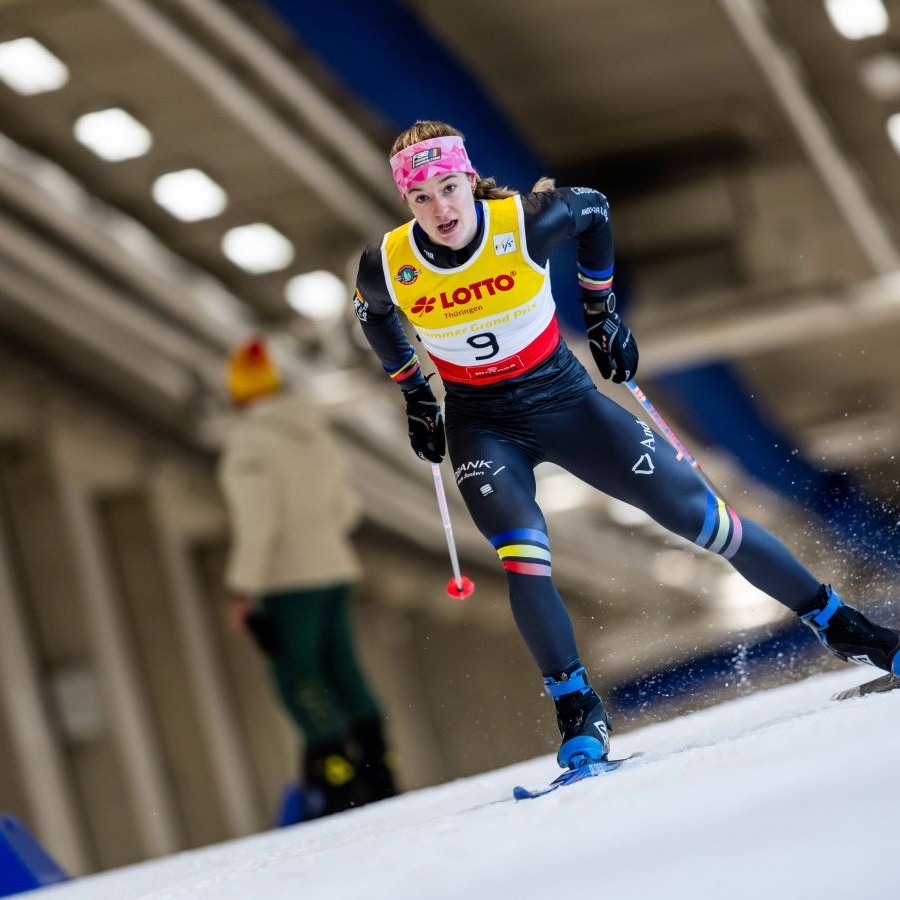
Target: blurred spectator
290,575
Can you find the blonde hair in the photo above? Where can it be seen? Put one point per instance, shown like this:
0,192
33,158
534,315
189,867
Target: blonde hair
485,188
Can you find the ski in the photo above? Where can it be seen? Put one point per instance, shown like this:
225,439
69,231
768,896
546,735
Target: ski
875,686
571,776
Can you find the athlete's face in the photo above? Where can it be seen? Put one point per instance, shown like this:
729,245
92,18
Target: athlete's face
444,206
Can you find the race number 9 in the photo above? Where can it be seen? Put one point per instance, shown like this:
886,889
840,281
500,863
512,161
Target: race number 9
484,341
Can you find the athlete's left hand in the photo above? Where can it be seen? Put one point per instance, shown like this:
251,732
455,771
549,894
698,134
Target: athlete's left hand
612,345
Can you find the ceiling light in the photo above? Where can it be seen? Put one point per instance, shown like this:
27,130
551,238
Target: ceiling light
189,195
857,19
881,75
113,134
258,248
28,67
893,130
317,295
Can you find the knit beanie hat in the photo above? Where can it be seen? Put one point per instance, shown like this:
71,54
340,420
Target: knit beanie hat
252,372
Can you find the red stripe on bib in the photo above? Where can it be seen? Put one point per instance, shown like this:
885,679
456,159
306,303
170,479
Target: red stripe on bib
536,352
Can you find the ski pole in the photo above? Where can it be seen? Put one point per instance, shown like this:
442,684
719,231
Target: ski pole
673,439
459,586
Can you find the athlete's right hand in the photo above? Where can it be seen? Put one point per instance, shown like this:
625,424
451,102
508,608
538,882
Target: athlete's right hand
426,424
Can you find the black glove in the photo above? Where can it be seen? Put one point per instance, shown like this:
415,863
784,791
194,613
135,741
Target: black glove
612,344
426,424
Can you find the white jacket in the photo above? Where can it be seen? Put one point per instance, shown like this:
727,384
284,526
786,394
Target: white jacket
290,501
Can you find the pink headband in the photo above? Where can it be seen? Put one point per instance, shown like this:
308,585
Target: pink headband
421,161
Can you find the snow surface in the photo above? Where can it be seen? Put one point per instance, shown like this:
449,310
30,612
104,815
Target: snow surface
782,794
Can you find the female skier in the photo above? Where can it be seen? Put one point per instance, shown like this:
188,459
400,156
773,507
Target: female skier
470,272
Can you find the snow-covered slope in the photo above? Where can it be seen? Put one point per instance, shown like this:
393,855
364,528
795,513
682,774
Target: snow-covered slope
782,794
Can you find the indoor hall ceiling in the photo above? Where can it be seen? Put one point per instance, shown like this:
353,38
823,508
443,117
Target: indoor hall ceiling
126,55
616,84
835,72
650,105
636,98
633,91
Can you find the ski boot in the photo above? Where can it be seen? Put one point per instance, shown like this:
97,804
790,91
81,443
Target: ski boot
848,634
332,781
582,720
373,759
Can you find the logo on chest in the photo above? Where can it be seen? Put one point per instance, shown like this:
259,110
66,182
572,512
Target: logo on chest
504,243
464,295
407,274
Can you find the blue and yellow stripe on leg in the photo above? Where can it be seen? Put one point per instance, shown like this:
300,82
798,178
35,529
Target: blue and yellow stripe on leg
523,550
722,531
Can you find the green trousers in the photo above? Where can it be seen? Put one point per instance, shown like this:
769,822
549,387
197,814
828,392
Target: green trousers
313,662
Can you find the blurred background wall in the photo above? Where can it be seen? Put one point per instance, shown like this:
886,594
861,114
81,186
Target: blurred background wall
176,175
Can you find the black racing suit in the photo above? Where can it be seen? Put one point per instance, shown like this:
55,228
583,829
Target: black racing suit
497,433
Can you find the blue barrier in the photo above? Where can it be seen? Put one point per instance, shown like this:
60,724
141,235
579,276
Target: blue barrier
292,808
24,864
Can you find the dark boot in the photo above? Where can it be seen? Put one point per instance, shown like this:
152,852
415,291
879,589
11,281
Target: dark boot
373,760
582,720
331,779
848,634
